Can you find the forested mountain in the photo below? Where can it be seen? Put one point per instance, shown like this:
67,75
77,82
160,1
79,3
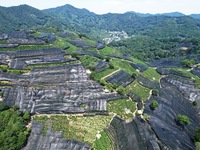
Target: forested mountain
133,23
196,16
24,17
84,21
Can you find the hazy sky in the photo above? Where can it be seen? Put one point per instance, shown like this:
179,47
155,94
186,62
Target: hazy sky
116,6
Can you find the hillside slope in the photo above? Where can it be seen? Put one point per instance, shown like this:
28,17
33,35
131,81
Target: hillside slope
132,23
84,21
55,82
24,17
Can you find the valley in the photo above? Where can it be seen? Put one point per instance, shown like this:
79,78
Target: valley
74,90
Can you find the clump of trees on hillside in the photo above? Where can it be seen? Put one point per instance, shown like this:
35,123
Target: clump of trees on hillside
13,130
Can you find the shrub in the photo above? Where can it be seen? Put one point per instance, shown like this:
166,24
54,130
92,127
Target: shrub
109,87
111,66
83,105
153,105
101,56
183,120
121,90
26,115
108,58
92,76
114,86
197,135
134,75
188,63
3,106
1,94
92,68
103,82
146,116
75,55
194,103
155,92
4,68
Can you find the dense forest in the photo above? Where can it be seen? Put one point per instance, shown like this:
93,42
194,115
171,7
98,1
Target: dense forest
147,48
13,130
84,21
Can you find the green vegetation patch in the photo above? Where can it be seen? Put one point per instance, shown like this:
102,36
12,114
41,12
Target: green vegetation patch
183,120
80,128
13,131
155,92
152,74
123,64
88,61
60,42
16,71
188,62
72,49
3,41
99,75
197,144
3,68
46,65
1,95
153,105
102,143
135,60
6,83
138,89
122,107
109,50
197,135
88,41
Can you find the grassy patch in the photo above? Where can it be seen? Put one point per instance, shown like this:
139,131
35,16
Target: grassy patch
46,65
15,71
109,50
6,83
43,120
152,74
118,63
80,128
138,89
3,41
122,107
98,75
103,143
71,49
60,42
197,144
36,34
88,41
138,61
87,60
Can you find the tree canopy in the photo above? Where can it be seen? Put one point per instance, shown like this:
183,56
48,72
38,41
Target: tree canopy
13,130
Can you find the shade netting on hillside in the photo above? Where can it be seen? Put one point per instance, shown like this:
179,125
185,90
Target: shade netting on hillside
120,78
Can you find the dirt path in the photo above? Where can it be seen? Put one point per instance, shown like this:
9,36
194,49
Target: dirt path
136,110
67,115
111,73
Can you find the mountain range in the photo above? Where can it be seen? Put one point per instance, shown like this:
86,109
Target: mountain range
84,21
